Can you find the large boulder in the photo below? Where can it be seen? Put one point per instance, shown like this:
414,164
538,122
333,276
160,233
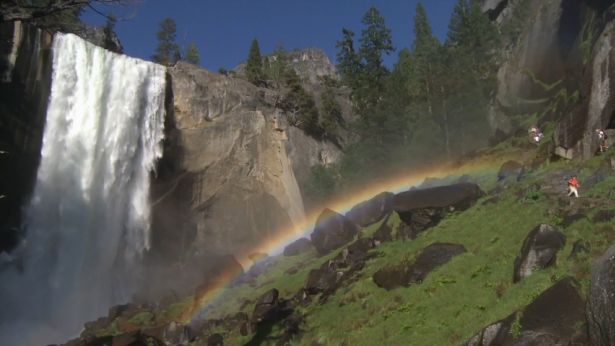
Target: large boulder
556,317
539,250
432,257
371,211
512,169
456,196
332,230
601,300
298,247
266,306
423,208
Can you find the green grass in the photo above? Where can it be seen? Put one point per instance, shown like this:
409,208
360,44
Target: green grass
456,300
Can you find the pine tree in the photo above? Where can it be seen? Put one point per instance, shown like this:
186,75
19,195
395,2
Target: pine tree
192,54
167,52
254,66
301,106
375,41
348,59
275,67
331,109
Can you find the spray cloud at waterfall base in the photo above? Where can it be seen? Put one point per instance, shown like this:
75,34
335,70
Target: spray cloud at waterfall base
88,219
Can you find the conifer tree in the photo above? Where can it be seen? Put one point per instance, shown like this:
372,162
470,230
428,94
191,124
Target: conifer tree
167,52
301,106
254,66
331,109
375,41
192,54
348,59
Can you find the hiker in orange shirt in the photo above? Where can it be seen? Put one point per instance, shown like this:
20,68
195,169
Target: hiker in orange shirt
573,185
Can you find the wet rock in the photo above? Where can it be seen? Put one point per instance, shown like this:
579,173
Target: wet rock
299,246
332,231
432,257
512,169
539,250
604,216
601,300
371,211
215,340
546,321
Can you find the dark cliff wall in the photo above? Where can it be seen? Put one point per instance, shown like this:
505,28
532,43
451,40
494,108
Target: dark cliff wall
25,68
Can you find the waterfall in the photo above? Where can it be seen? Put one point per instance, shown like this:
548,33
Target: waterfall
88,219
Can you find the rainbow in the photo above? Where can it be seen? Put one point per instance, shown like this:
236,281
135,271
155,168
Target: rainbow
341,205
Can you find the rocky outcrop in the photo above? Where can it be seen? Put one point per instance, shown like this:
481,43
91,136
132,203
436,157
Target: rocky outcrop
332,230
539,251
227,179
601,301
546,321
432,257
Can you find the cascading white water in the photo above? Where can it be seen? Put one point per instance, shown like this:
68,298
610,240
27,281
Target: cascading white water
88,220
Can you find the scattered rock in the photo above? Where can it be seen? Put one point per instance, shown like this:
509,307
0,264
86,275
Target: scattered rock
601,300
371,211
384,232
569,219
539,250
458,196
322,280
172,334
266,306
424,208
432,257
511,169
332,231
579,246
299,246
546,321
604,216
215,340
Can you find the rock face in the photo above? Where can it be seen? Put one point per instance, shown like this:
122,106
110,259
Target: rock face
371,211
546,321
556,49
601,301
539,250
25,79
432,257
332,230
576,132
536,57
227,179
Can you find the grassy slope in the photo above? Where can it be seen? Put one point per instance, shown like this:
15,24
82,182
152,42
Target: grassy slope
456,300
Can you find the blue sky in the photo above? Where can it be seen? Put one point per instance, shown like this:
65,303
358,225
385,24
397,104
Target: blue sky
224,29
